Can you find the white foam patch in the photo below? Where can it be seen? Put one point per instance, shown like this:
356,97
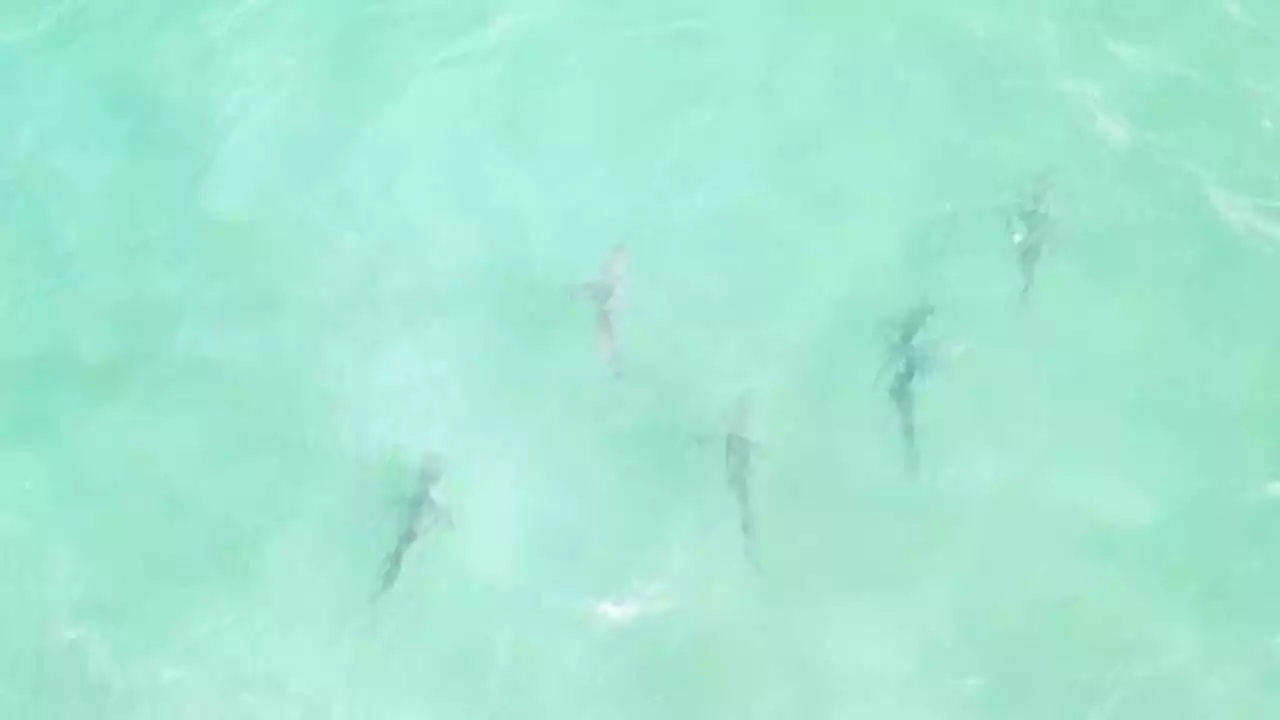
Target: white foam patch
625,609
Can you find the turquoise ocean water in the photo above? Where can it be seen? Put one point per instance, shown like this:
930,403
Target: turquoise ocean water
259,257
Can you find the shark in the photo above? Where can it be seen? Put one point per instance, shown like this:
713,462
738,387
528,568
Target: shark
1028,225
739,448
603,293
423,511
902,394
908,362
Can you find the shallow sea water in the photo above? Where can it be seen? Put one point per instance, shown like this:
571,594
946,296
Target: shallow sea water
258,257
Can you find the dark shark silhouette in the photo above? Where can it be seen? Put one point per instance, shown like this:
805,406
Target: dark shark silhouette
1029,226
902,393
603,293
908,362
423,512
